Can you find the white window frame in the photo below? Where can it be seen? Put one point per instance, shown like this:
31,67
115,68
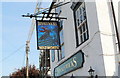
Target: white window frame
81,22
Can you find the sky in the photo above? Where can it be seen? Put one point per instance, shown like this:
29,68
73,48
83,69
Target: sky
14,31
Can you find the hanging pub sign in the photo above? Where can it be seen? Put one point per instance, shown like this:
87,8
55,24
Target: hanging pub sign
47,35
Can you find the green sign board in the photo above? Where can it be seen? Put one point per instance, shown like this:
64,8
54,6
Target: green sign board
74,62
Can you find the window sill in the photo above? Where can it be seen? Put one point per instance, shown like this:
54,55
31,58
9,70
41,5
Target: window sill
61,61
83,44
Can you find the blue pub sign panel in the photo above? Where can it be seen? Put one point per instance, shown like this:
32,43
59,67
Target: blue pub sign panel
74,62
47,35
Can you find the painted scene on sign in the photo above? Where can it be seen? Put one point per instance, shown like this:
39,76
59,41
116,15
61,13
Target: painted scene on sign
48,35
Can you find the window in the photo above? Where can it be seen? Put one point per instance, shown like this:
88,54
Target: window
80,23
53,55
61,53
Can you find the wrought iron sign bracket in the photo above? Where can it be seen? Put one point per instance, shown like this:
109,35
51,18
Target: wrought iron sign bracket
51,17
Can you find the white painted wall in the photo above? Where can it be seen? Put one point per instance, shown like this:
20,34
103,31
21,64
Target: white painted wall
107,38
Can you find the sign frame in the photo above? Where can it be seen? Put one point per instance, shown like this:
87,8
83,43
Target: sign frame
57,34
83,60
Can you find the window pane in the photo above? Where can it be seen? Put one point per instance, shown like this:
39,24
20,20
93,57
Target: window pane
84,27
77,13
53,55
62,51
84,16
79,39
83,7
87,35
81,19
76,18
61,37
84,37
80,30
61,23
78,22
58,51
80,10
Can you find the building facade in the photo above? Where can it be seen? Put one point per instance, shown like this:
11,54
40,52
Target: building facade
88,39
